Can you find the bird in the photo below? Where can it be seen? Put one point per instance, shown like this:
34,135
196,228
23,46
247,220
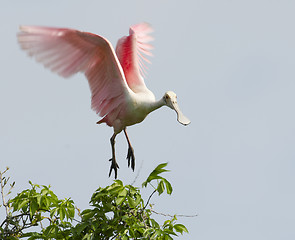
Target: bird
119,94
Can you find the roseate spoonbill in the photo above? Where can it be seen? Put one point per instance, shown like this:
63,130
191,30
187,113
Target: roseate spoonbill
119,94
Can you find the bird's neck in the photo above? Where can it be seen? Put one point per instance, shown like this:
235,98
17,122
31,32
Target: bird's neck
157,104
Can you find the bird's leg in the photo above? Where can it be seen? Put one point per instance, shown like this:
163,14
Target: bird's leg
130,155
114,164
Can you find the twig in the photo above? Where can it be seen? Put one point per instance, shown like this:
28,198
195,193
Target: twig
114,236
149,199
177,215
13,217
138,172
2,191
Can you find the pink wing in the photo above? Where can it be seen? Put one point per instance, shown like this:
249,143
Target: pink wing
67,52
131,51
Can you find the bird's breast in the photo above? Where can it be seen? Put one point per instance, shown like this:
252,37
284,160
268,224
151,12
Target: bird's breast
138,108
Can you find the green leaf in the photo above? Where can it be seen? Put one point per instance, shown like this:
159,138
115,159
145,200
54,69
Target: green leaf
180,228
160,168
147,232
131,202
154,223
53,212
138,200
121,196
168,186
21,204
170,232
46,201
44,191
114,189
168,237
49,230
161,187
155,174
71,211
88,236
31,235
125,237
33,207
39,199
88,213
119,182
80,227
62,213
132,189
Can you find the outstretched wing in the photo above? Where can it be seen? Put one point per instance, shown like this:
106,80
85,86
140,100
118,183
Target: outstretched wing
131,51
67,51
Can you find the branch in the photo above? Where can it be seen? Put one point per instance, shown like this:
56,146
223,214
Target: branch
138,172
2,191
149,199
115,236
8,218
177,215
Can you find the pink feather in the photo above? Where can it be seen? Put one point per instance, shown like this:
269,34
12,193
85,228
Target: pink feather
111,80
131,50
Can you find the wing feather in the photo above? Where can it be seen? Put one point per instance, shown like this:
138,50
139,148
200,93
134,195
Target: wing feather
132,51
67,51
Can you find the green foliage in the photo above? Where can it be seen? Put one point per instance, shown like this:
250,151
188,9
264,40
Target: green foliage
34,206
117,211
163,181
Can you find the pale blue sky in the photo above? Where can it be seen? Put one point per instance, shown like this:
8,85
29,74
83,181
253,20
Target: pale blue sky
231,64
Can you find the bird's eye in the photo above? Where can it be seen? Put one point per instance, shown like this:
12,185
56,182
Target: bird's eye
166,97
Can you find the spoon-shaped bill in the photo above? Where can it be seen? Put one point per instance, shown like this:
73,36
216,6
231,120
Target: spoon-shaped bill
180,117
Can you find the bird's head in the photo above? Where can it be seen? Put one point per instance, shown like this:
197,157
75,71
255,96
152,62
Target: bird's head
170,100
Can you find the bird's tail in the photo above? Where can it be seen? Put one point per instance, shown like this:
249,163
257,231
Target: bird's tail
101,121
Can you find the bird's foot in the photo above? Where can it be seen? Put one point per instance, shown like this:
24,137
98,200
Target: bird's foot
131,158
115,166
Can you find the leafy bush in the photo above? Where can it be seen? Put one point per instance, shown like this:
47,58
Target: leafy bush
117,212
